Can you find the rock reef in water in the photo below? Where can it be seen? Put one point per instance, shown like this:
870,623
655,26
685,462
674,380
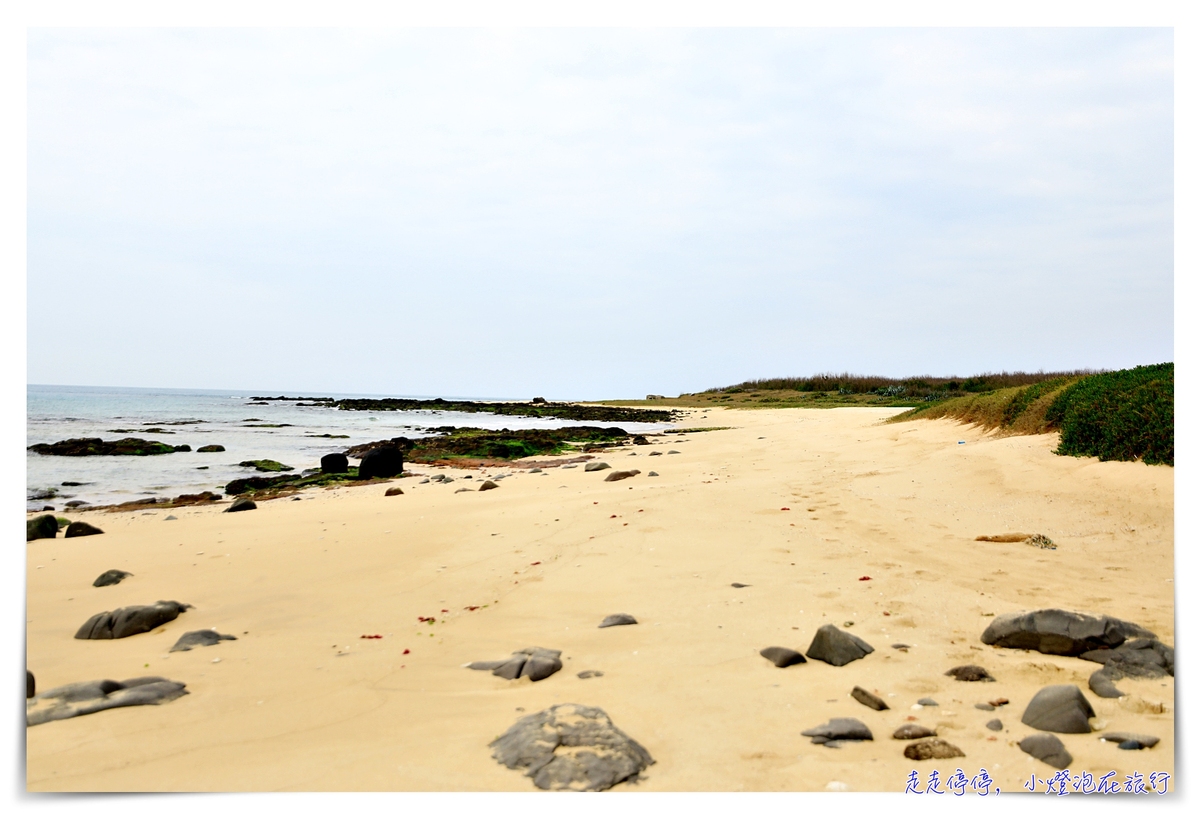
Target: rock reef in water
90,446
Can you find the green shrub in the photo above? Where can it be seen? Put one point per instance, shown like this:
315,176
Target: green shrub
1125,415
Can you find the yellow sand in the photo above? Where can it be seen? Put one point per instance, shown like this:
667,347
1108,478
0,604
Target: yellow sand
301,702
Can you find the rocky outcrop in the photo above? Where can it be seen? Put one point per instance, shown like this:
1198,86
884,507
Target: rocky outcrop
266,465
82,698
44,527
130,621
1060,633
89,446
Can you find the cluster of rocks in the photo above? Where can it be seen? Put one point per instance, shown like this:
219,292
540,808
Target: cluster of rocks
830,644
532,663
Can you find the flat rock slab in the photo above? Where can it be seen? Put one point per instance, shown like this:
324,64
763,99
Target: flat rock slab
1121,737
612,620
81,529
837,647
596,466
110,577
863,696
1059,709
571,747
1060,633
534,663
1047,748
908,732
970,673
81,698
932,748
200,639
782,657
130,621
838,730
1142,658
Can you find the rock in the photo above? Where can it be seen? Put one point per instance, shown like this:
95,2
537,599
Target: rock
1060,633
738,585
617,619
588,674
81,698
639,440
928,748
1131,745
1120,738
81,529
837,730
995,724
1059,709
540,666
510,668
1047,748
199,639
970,673
393,492
596,466
869,699
44,527
129,621
89,446
266,465
621,475
336,463
47,508
927,702
386,461
30,685
112,576
536,663
73,504
571,747
460,491
837,647
673,451
652,474
1101,683
215,447
655,454
1142,658
985,706
241,504
907,732
782,657
488,485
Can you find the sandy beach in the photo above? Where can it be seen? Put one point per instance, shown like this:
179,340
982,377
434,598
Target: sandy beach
825,516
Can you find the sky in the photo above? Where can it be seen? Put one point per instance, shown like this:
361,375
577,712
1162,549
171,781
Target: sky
584,213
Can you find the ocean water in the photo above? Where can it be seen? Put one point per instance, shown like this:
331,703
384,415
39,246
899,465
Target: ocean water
199,417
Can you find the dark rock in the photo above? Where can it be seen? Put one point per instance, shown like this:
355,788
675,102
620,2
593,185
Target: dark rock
393,492
215,447
673,451
928,748
386,461
901,647
617,619
241,504
837,647
110,577
89,446
199,639
1131,744
266,465
588,674
47,508
73,504
639,440
1121,738
81,529
44,527
540,666
985,706
836,730
1101,683
129,621
995,724
1140,658
511,668
1060,633
336,463
536,663
621,475
571,747
183,448
970,673
1047,748
203,498
652,474
927,702
44,494
739,585
907,732
782,657
488,485
655,454
30,685
1059,709
596,466
81,698
869,699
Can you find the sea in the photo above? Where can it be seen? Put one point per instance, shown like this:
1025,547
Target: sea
278,431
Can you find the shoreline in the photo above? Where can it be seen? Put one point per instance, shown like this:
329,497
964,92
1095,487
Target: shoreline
899,503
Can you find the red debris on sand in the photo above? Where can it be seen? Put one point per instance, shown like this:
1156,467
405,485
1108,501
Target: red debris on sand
539,562
371,636
406,651
998,702
428,619
785,508
863,578
471,608
885,613
906,718
613,517
445,610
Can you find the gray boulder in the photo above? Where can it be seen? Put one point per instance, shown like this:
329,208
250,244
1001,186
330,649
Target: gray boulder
81,529
613,620
1047,748
110,577
834,731
596,466
782,657
869,699
44,527
1059,709
129,621
1060,633
200,639
571,747
81,698
837,647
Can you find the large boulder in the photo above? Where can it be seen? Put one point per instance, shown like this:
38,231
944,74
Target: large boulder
1060,633
571,747
336,463
81,529
1059,709
129,621
81,698
386,461
44,527
837,647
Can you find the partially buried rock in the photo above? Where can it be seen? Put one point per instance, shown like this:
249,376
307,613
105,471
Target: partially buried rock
571,747
200,639
43,527
1059,709
652,474
869,699
1047,748
535,663
907,732
1122,738
995,725
782,657
621,475
112,576
837,647
1060,633
617,619
30,685
129,621
835,731
928,748
588,674
241,504
81,529
488,485
597,466
970,673
81,698
1142,658
927,702
336,463
1101,683
393,492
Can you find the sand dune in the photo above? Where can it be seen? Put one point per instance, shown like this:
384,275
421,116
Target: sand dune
301,702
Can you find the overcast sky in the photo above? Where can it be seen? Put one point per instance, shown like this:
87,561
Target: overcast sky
589,213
